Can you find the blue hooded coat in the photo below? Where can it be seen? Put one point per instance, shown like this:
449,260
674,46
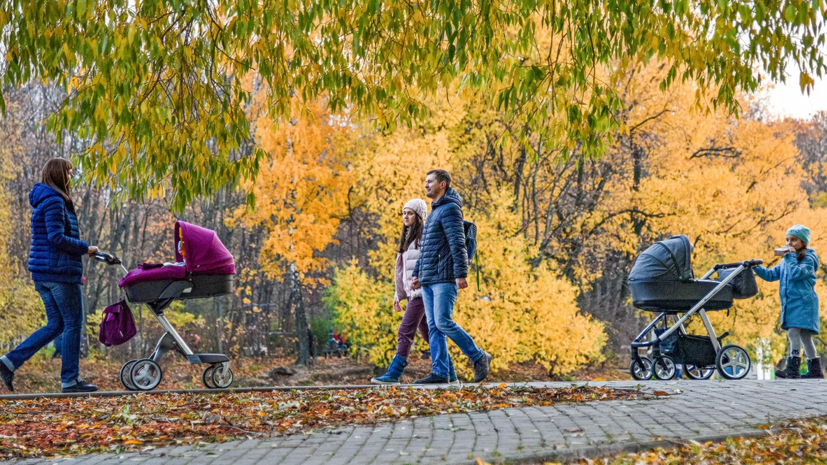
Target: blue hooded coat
443,256
799,302
56,250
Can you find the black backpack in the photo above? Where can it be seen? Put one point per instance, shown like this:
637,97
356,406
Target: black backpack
470,239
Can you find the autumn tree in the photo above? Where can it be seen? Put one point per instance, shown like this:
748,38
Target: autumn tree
302,193
158,86
515,310
21,310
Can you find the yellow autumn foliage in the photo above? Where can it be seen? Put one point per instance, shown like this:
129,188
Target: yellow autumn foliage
21,310
733,186
301,191
518,313
521,313
364,311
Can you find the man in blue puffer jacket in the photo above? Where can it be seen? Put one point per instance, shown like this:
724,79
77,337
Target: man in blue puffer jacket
442,269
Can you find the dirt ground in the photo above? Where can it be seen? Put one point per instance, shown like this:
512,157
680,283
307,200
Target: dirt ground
43,375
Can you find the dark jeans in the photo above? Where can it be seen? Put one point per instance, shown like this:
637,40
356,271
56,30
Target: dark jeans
64,313
414,318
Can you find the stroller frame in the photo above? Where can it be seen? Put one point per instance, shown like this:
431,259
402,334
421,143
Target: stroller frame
731,361
145,374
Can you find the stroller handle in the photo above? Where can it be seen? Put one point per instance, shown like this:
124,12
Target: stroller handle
108,258
752,263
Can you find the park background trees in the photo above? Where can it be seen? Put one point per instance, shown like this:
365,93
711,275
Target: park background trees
578,133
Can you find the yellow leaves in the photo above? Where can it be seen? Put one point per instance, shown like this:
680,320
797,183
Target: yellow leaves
806,82
302,189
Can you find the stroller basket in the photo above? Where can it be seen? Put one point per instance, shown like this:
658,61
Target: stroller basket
688,349
696,350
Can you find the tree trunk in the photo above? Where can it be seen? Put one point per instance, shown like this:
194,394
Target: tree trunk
301,317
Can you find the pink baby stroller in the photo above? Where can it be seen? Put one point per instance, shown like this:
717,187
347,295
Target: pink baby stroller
204,268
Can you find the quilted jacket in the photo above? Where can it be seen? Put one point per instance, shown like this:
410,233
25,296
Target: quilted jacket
443,256
56,250
799,301
405,263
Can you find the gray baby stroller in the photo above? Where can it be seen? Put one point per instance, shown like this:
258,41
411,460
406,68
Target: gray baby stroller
662,281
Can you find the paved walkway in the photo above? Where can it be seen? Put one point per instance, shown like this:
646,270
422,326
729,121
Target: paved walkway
702,410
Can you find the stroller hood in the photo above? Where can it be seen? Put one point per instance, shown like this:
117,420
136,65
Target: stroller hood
668,260
203,251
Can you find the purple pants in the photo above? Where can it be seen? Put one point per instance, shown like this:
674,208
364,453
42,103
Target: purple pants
414,318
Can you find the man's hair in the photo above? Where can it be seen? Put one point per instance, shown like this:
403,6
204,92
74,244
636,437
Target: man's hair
441,176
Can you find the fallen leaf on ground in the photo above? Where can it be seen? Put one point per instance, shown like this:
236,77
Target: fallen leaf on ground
796,442
49,427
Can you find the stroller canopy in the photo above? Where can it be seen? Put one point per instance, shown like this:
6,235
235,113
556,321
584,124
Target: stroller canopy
203,251
668,260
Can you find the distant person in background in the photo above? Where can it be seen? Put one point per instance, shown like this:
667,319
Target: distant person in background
413,219
57,272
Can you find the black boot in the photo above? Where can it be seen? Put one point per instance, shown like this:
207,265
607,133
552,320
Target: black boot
432,379
7,376
482,367
813,369
793,370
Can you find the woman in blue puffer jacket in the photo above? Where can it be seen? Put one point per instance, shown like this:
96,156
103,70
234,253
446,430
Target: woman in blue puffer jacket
799,302
57,272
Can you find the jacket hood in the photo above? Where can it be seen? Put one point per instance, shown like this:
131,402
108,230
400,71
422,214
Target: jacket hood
812,254
451,196
41,192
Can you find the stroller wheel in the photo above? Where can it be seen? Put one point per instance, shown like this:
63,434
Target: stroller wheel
124,376
207,377
642,370
664,368
733,362
145,374
222,377
696,372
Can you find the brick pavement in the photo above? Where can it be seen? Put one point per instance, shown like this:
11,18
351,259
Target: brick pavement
703,410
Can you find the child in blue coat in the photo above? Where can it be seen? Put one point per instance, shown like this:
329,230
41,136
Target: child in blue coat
799,302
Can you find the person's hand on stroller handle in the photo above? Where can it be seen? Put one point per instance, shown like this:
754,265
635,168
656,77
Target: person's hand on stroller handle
93,249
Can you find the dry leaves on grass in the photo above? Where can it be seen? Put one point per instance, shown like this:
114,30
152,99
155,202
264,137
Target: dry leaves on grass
58,427
795,442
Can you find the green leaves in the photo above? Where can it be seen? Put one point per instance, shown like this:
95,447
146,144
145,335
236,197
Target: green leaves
374,57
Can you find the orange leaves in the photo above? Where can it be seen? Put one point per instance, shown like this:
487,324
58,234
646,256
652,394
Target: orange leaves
798,441
301,190
81,425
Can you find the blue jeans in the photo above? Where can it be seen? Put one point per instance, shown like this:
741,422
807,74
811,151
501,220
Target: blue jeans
439,306
64,313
